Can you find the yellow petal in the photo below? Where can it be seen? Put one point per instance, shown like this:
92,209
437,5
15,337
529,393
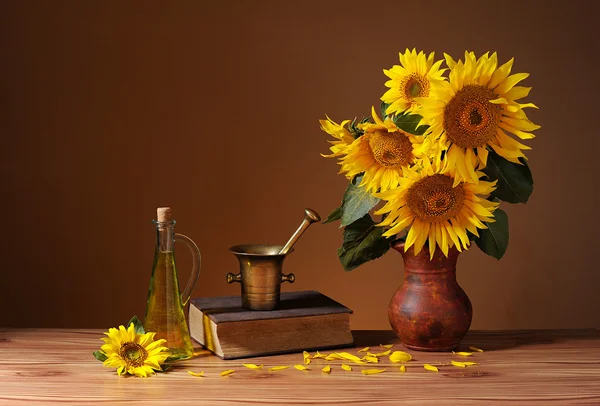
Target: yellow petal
365,349
327,369
463,353
402,368
307,360
371,359
319,355
388,346
196,373
380,354
253,366
300,367
349,357
463,364
475,349
372,371
346,367
430,368
400,356
279,367
306,354
333,357
228,372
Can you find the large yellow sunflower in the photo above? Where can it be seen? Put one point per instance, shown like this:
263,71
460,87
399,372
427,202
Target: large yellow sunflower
381,153
474,110
416,76
436,208
340,132
135,354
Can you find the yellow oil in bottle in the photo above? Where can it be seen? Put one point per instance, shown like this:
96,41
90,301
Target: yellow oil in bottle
165,309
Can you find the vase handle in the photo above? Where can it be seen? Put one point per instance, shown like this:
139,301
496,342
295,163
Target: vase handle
196,263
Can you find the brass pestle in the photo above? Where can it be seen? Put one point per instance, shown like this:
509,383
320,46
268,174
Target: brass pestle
310,216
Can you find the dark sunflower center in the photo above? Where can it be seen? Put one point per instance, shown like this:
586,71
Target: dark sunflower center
391,150
433,199
470,120
133,354
416,86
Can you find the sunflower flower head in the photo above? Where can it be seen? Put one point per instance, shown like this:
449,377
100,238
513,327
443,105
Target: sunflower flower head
381,153
132,352
435,209
417,76
475,110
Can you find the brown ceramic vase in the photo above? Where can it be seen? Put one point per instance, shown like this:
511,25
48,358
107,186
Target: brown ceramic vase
430,311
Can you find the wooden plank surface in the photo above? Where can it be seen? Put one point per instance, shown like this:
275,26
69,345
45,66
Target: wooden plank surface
518,367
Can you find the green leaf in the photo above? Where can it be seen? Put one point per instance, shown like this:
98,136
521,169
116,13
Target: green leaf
384,107
174,358
410,123
363,242
137,324
515,182
334,215
494,240
356,202
100,356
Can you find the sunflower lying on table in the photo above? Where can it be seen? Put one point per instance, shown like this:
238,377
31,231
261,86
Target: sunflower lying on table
441,157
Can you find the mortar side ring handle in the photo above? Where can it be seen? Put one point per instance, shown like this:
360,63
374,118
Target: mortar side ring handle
291,278
234,277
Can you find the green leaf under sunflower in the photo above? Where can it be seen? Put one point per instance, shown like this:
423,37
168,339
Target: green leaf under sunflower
410,123
137,324
494,239
363,242
100,356
334,215
356,202
515,182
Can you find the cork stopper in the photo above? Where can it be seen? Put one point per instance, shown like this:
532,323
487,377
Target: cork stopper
163,214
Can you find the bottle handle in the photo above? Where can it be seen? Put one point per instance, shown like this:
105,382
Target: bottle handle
196,263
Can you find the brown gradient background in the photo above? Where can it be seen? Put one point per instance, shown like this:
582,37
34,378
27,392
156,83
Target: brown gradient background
111,109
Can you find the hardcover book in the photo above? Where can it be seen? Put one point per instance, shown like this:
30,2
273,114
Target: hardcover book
305,320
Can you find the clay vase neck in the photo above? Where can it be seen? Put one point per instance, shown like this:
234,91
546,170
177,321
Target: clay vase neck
430,311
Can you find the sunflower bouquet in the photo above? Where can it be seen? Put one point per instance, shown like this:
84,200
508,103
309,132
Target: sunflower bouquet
437,161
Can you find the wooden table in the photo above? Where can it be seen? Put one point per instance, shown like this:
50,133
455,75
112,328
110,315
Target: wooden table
523,367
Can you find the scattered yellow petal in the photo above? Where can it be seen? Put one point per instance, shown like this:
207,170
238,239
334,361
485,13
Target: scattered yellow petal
380,354
279,367
306,354
365,349
349,357
327,369
196,373
346,367
300,367
402,368
319,355
463,364
228,372
253,366
388,346
463,353
333,357
371,359
475,349
430,368
400,356
307,361
372,371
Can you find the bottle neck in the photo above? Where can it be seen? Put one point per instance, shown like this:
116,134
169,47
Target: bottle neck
165,235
